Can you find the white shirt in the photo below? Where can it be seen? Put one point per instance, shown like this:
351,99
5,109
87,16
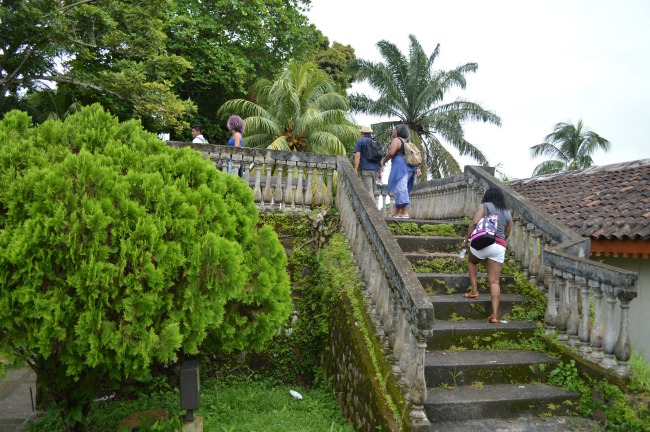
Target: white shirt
199,139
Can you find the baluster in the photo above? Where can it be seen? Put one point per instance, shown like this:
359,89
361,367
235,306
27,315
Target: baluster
534,260
574,319
318,199
309,198
526,258
329,198
598,329
259,197
288,190
550,317
278,195
300,196
247,169
268,187
623,348
583,330
236,162
563,309
518,243
225,158
609,342
418,391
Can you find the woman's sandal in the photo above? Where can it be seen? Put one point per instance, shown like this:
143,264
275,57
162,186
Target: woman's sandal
492,319
470,295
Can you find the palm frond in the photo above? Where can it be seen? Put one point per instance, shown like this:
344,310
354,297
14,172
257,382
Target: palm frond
549,167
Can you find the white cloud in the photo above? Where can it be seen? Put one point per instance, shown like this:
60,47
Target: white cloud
540,62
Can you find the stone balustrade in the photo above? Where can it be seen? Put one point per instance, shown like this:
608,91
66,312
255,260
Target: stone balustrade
553,257
396,301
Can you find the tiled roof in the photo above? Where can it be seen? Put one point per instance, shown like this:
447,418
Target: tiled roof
606,202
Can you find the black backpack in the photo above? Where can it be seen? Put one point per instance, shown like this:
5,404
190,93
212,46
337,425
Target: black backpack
373,150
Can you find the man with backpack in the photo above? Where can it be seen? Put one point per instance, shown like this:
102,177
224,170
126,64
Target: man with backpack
367,153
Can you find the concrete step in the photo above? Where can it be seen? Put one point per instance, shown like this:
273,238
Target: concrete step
445,306
458,368
445,283
428,256
475,334
497,401
519,424
421,222
428,244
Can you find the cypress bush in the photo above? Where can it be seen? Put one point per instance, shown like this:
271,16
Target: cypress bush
117,251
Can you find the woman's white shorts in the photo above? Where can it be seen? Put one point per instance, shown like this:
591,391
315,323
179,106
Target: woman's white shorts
495,252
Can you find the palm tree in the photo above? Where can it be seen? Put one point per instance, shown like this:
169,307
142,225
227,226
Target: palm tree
411,92
570,147
299,111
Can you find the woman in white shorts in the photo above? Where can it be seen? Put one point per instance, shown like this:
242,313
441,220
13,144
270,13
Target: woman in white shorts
494,254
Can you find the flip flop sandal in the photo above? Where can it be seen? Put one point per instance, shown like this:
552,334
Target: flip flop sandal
470,295
492,320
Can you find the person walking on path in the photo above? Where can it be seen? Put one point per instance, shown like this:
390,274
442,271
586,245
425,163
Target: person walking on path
370,171
493,203
402,175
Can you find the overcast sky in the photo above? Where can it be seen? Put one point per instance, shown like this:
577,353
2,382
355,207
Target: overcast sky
541,62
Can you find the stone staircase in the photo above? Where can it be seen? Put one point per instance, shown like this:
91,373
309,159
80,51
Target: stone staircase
471,385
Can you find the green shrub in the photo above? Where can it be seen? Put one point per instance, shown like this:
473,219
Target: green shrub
117,251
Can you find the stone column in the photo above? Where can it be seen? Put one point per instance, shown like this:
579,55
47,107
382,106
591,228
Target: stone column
574,318
598,329
526,256
534,259
300,197
623,348
563,310
609,342
278,194
550,317
418,393
309,194
583,330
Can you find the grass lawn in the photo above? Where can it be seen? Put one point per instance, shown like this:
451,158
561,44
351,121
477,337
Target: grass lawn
227,406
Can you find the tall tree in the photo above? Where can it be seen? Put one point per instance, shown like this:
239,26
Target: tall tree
113,50
300,111
412,92
570,148
233,43
334,60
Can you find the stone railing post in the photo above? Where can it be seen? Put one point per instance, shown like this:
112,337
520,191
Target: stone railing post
418,393
300,195
623,348
550,317
534,259
598,329
278,193
609,343
583,330
563,309
574,319
526,243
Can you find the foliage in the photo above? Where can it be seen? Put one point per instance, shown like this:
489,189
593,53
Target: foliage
257,405
640,373
117,251
414,229
111,51
231,44
599,395
334,61
570,147
412,93
299,111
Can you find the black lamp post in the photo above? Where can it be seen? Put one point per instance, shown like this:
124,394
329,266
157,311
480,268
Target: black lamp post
190,388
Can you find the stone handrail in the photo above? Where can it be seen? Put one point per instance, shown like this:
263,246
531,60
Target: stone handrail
397,302
551,255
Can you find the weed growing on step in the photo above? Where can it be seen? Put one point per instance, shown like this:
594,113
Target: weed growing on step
477,385
455,317
413,229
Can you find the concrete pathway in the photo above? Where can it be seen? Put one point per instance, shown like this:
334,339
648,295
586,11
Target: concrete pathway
16,400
